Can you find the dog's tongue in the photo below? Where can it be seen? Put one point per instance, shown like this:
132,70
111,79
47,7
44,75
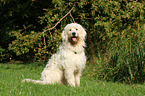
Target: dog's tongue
74,39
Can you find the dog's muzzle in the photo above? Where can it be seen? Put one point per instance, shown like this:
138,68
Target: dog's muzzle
74,36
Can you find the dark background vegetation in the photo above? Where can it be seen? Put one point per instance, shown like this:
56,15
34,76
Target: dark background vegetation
115,34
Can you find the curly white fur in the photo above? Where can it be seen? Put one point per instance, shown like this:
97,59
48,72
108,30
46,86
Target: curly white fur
65,67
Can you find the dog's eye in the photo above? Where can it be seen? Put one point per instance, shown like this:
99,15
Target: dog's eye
76,29
69,29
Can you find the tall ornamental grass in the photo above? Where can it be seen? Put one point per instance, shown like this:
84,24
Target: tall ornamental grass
124,61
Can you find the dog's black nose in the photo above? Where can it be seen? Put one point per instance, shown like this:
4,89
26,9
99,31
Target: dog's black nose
73,33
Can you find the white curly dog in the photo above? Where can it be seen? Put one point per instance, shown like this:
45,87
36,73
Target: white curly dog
65,67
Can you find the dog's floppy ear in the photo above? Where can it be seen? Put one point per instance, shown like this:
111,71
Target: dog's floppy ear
64,36
83,33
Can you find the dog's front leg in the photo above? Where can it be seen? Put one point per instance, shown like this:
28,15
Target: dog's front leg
77,78
69,75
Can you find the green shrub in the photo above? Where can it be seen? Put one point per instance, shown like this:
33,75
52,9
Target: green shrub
1,53
124,61
4,55
104,21
32,47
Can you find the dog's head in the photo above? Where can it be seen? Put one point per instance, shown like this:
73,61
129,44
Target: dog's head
73,33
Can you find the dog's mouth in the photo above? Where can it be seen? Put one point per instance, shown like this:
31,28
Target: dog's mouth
73,40
74,36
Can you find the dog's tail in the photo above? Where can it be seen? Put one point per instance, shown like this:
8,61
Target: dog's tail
35,81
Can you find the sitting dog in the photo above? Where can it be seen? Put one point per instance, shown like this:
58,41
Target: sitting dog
66,65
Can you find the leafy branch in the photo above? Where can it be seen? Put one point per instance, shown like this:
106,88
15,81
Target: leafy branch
60,20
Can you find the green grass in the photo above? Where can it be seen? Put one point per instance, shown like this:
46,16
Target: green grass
11,76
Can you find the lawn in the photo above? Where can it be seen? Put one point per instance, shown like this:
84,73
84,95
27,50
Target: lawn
11,76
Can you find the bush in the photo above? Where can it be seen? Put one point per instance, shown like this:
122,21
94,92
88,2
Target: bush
1,53
4,55
104,21
124,61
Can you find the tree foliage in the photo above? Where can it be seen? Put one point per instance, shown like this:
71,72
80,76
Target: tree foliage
104,21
